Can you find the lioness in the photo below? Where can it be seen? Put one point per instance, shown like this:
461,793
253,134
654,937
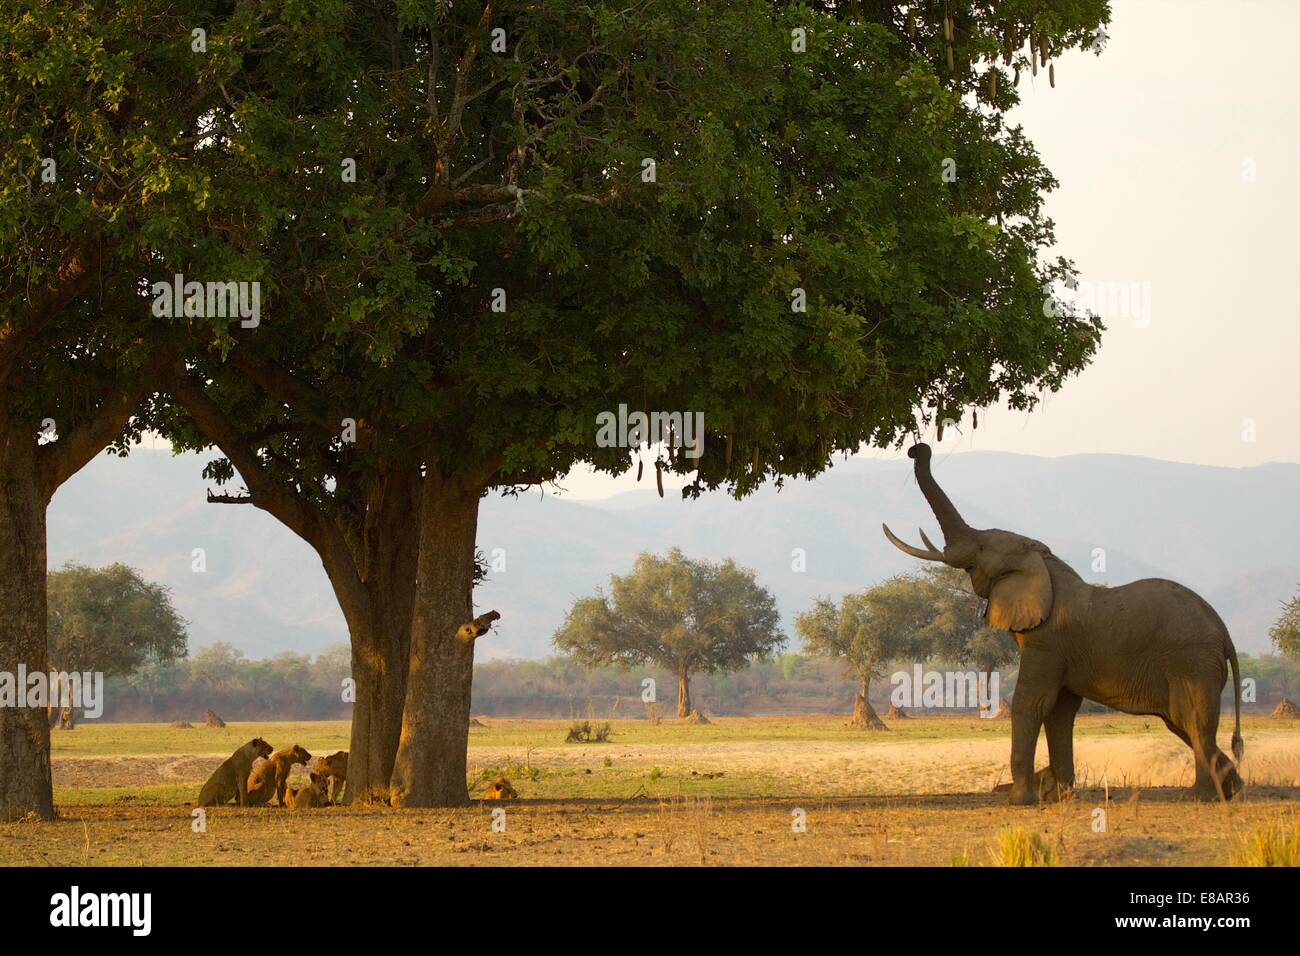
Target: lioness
230,780
335,769
500,789
272,777
1045,786
304,798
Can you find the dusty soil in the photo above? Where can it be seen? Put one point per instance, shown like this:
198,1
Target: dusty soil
1153,827
727,794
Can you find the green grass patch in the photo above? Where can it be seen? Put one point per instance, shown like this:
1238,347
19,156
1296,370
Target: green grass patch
168,794
102,740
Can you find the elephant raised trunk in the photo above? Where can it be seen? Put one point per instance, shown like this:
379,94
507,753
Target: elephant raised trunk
957,534
954,527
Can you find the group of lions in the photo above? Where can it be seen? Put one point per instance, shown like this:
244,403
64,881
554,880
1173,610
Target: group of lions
252,786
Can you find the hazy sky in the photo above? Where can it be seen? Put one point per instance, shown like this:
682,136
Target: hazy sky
1178,155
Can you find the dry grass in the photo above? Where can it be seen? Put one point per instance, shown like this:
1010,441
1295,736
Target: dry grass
678,794
1016,846
644,831
1276,843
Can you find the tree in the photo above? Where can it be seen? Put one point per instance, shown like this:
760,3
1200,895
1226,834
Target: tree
866,631
109,620
957,631
682,614
98,100
671,211
1286,631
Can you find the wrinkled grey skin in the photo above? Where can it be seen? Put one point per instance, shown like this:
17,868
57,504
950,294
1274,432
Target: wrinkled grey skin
1151,647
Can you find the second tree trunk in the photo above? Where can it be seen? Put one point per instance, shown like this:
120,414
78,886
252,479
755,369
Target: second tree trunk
431,759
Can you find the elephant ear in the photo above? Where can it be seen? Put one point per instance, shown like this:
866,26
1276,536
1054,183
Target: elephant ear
1021,599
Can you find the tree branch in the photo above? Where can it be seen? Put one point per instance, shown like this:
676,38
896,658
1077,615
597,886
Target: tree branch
274,497
284,387
459,98
223,499
72,280
60,460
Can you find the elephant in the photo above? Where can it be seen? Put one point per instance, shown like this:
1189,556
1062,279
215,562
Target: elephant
1152,647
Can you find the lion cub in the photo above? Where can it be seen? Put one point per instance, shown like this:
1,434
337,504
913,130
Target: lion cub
272,777
230,780
335,769
304,798
500,789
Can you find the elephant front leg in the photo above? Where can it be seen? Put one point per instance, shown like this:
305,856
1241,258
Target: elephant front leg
1060,737
1037,688
1025,724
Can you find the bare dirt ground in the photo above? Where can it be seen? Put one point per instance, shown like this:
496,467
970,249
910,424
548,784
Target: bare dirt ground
1153,827
728,793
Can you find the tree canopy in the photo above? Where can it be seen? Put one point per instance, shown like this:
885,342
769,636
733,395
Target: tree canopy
818,175
683,614
1285,632
868,630
930,615
111,620
957,632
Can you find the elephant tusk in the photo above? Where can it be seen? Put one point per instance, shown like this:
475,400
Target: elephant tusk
932,555
927,542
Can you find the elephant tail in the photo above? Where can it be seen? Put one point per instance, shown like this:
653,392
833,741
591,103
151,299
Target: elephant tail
1238,746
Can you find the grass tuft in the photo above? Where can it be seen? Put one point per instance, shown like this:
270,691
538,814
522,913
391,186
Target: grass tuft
1017,846
1269,844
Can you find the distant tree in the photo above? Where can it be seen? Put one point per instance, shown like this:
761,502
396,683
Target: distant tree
1286,632
957,631
685,615
155,679
218,668
868,630
111,620
108,620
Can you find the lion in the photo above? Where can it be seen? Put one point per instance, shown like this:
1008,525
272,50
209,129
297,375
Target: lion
304,798
500,789
335,769
1045,786
230,780
272,777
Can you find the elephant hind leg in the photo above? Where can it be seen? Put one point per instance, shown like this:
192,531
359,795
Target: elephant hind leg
1216,775
1204,784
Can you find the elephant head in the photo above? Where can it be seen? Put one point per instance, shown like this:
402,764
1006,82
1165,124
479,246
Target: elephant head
1008,569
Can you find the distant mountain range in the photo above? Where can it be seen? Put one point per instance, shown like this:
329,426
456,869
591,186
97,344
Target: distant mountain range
1230,533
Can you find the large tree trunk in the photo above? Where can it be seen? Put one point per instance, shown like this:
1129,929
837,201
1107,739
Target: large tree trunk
387,560
379,649
24,731
430,767
683,691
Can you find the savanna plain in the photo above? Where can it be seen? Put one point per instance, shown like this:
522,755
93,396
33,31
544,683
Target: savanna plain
743,790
